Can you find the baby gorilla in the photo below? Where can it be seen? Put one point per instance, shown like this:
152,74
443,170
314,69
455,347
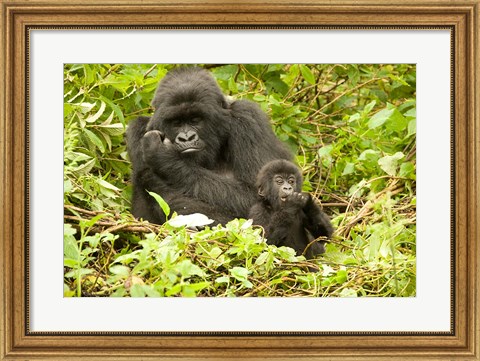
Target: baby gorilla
289,217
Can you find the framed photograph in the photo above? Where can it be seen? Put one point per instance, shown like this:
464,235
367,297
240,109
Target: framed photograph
331,77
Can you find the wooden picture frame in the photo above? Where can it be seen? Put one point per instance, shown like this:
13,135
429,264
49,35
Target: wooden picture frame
17,342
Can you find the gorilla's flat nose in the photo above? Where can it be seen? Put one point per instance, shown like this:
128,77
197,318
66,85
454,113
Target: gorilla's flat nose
184,137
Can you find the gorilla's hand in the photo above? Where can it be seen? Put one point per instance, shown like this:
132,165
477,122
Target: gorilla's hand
296,201
155,146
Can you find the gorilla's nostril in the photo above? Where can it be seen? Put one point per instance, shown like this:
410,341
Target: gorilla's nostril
191,136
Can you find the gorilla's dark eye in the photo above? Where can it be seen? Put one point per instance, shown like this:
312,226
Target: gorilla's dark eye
278,180
176,122
291,181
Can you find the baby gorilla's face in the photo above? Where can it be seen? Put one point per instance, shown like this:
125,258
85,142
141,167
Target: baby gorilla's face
285,185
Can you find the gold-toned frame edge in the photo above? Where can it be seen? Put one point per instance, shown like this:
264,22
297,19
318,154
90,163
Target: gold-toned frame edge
16,342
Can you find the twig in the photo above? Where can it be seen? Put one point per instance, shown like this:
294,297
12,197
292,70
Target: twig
81,210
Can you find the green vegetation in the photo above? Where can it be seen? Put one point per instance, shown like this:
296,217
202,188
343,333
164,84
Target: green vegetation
353,130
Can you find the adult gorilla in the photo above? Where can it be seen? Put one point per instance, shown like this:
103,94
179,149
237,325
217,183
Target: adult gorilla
199,151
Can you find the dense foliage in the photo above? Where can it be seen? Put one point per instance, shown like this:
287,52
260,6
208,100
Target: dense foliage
353,130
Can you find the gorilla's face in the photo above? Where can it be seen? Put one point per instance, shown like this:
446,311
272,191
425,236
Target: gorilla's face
192,116
283,185
182,132
194,130
278,180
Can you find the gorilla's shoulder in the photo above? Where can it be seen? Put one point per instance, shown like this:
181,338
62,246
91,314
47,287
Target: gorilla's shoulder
248,110
244,104
136,127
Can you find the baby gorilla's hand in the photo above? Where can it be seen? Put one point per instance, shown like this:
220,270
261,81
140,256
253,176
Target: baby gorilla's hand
297,200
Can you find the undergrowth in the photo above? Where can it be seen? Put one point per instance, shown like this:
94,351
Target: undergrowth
352,128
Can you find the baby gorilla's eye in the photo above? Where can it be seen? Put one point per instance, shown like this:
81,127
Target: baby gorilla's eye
278,180
291,181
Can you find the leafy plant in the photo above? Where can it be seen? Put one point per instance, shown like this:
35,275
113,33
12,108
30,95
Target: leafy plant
352,128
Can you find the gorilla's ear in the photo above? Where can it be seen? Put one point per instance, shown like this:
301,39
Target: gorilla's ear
261,192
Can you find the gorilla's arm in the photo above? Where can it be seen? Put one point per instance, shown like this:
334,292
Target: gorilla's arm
189,179
135,132
277,224
283,225
316,221
159,166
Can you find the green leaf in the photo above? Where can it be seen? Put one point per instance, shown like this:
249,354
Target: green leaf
287,254
307,74
222,279
325,154
348,292
108,121
278,85
98,114
137,290
389,163
151,292
67,186
161,202
412,127
107,185
354,117
191,290
309,139
116,129
369,155
93,240
69,262
95,140
174,290
88,223
70,248
84,169
120,270
379,118
232,86
327,270
412,113
89,74
349,169
407,170
241,274
85,107
394,120
79,272
188,269
116,108
68,230
259,98
341,276
262,258
368,108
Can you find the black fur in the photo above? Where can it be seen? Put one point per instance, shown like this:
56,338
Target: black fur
289,217
200,152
